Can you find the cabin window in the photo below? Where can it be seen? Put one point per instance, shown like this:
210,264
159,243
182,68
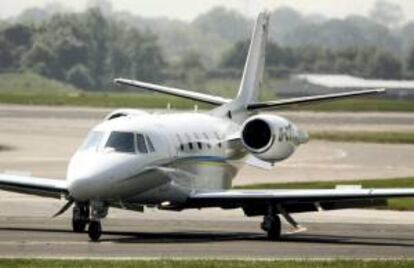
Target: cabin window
150,144
141,146
200,145
180,142
190,145
121,142
92,141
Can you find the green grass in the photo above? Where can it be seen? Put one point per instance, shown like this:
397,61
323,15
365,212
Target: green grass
30,83
32,89
360,105
115,100
204,264
371,137
405,204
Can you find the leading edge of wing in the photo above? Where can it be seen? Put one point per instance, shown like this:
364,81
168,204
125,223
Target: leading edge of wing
34,186
311,99
201,97
301,195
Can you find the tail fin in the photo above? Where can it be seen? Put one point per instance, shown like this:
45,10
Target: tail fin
253,71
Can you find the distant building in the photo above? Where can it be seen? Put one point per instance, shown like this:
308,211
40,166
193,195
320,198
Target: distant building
310,84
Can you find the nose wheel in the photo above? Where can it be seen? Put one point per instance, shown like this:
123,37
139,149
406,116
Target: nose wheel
95,230
98,211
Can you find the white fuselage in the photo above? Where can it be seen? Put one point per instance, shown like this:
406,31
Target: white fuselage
181,153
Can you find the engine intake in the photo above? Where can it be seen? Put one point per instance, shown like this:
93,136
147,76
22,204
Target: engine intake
257,135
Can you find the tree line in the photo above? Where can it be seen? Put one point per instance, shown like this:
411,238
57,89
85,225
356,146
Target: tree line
89,49
86,50
365,61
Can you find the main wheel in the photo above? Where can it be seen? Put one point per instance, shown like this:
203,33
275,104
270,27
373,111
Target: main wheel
272,226
95,230
275,229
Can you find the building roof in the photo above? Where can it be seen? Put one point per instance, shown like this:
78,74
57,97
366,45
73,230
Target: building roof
348,81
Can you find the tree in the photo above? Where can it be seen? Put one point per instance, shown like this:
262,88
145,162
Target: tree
6,56
80,76
40,59
410,61
19,35
387,13
236,25
385,66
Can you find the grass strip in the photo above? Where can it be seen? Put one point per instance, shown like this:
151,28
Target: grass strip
402,204
360,105
130,100
204,264
370,137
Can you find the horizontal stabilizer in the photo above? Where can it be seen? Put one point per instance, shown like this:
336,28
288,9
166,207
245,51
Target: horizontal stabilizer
201,97
311,99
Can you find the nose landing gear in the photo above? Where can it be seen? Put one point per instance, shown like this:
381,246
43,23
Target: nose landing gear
92,214
95,230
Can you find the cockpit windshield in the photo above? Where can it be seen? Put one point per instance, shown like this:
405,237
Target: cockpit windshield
92,141
121,142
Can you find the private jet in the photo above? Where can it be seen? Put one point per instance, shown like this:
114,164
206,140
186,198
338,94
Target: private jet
135,160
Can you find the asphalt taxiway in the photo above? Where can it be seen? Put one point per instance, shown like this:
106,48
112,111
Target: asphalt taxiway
27,230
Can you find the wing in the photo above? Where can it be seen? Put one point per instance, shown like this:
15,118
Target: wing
34,186
296,200
310,99
210,99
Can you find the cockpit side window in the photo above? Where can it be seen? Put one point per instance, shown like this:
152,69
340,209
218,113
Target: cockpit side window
141,146
150,144
92,141
121,142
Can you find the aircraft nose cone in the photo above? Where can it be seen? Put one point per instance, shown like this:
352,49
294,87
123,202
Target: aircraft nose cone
85,178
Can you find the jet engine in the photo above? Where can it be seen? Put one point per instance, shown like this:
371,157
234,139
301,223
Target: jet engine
271,138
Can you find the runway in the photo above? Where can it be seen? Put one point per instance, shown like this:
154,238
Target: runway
44,138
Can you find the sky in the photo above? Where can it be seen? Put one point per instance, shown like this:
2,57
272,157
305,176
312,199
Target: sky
189,9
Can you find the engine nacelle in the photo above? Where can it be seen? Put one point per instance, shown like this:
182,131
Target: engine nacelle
124,112
271,138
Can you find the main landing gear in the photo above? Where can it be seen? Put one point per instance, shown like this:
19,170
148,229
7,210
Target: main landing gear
272,225
89,214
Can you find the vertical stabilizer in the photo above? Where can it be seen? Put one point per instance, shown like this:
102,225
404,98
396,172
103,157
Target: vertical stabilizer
253,71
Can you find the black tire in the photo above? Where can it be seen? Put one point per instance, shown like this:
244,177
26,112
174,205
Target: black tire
78,226
275,229
94,230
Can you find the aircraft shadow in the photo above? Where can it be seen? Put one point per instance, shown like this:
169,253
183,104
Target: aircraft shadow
209,237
